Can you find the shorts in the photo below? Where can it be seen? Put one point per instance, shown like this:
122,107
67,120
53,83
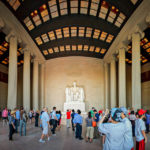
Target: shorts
45,130
90,132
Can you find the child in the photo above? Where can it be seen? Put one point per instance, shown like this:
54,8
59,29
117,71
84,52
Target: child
11,125
140,128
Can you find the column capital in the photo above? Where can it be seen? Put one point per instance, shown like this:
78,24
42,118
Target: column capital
137,30
2,24
13,34
148,18
25,50
123,45
113,57
42,62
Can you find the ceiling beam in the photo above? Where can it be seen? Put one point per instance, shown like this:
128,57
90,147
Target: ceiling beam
74,41
74,53
75,20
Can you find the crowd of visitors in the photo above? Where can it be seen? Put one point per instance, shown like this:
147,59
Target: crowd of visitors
116,127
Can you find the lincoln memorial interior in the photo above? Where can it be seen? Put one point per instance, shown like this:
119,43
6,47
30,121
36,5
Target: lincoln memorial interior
101,45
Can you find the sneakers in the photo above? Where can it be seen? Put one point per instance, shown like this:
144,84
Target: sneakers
41,141
54,134
48,138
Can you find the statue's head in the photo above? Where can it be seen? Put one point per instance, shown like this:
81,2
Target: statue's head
74,84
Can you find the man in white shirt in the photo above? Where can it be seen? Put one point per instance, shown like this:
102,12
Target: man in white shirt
45,124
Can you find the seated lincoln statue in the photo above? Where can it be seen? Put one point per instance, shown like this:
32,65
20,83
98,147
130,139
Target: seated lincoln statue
74,98
74,94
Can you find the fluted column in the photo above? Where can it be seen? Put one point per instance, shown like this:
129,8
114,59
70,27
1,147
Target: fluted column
12,72
122,77
26,80
35,84
106,74
136,71
113,86
42,98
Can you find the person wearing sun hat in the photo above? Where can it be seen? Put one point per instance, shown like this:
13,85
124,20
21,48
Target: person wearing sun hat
114,131
12,124
128,143
140,128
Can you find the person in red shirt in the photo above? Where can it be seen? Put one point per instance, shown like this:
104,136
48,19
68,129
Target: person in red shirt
68,118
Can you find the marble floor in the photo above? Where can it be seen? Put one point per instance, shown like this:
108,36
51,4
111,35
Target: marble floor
64,140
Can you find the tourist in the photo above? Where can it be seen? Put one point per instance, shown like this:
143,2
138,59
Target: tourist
68,114
30,116
58,119
23,121
12,125
53,121
147,120
132,118
45,125
100,114
128,139
78,120
17,122
72,117
92,111
36,118
5,116
40,119
96,119
140,128
89,128
114,131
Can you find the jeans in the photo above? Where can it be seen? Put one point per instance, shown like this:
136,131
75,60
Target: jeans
54,123
72,124
68,123
11,131
17,124
147,128
78,130
22,125
36,122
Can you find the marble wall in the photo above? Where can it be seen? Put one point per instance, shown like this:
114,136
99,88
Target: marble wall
62,72
3,88
146,88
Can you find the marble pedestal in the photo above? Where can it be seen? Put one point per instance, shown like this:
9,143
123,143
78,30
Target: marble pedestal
74,105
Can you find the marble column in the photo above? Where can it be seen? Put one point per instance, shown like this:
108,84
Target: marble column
12,72
35,85
122,77
26,81
136,71
113,91
106,73
42,73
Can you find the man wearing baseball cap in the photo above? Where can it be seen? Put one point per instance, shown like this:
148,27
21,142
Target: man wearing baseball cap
114,131
128,143
140,128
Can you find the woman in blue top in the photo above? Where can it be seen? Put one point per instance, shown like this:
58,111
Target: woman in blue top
114,131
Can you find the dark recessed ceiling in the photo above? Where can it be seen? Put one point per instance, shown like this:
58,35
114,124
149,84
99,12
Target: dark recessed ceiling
4,51
73,27
145,49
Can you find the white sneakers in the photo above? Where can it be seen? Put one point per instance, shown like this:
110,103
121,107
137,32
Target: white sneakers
48,138
41,141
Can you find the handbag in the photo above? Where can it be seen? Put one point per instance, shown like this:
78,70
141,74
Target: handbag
94,123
